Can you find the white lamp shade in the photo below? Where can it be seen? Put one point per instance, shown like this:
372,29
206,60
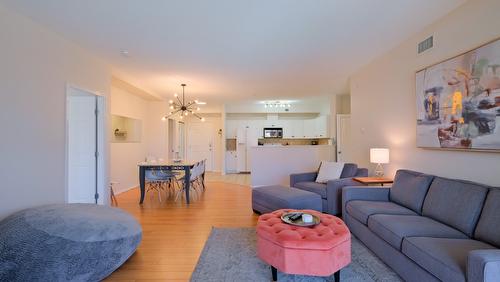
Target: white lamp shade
379,155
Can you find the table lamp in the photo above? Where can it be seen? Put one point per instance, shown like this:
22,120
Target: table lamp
379,156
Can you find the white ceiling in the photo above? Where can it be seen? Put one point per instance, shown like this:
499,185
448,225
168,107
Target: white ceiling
237,49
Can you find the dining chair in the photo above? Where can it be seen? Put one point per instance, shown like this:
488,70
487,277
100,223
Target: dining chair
157,178
194,175
201,178
114,201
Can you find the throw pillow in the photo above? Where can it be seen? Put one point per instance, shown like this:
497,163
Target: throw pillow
329,171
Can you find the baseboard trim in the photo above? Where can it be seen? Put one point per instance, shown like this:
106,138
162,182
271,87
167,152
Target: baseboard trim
126,189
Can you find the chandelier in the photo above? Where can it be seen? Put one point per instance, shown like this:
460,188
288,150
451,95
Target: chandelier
183,108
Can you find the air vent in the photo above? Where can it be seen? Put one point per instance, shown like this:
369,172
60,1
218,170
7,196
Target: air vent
425,45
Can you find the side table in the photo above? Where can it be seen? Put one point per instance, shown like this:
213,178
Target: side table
374,180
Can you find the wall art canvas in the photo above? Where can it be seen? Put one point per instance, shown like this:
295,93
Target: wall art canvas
458,101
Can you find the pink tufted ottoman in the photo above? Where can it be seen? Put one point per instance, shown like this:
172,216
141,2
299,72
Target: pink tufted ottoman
320,250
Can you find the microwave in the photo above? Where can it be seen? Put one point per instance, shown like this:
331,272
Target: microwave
274,132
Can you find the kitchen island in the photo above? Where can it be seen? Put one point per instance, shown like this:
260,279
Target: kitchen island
273,164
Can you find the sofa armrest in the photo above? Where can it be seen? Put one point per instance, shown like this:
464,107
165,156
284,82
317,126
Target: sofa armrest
351,193
302,177
483,265
334,193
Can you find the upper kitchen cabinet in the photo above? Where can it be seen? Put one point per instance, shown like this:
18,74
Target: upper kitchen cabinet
310,128
295,129
323,126
294,126
316,127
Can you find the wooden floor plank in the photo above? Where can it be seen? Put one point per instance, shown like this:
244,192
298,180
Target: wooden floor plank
175,233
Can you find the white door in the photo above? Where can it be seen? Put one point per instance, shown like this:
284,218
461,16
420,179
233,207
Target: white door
82,147
343,138
200,144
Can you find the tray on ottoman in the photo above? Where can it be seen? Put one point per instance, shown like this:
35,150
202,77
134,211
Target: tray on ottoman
270,198
322,250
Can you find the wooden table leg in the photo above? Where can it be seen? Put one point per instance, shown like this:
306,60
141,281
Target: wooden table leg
187,178
142,176
274,272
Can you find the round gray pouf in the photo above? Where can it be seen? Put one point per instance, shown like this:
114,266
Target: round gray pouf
67,242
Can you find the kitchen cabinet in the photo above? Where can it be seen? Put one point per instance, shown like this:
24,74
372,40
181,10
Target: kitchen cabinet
295,129
323,127
309,128
317,127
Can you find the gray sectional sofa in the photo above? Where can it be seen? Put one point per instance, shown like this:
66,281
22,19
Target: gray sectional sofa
429,228
330,192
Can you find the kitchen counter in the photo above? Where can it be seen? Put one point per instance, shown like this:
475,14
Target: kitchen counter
273,164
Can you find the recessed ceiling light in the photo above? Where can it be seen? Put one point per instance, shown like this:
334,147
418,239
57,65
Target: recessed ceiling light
125,53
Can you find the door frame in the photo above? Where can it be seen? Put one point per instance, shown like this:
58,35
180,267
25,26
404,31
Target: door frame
102,148
338,129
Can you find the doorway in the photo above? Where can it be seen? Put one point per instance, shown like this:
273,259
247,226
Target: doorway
343,137
200,143
85,170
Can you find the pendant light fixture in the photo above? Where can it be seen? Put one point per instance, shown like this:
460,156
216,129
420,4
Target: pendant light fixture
183,108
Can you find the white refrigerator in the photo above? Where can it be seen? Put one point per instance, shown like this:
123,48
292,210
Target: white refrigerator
246,138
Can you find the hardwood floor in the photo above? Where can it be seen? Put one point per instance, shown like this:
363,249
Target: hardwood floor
174,234
234,178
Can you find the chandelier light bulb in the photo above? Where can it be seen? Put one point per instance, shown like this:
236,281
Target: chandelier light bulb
182,107
202,119
164,118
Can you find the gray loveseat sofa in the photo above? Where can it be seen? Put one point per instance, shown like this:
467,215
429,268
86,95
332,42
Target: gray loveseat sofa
429,228
331,192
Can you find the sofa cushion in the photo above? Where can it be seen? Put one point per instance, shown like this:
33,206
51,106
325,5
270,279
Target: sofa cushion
409,189
394,228
318,188
349,170
457,203
488,227
362,210
444,258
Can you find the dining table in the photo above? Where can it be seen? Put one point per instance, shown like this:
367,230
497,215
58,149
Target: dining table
169,165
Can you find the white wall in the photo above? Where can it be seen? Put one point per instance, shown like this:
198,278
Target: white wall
125,156
36,64
272,165
157,130
383,97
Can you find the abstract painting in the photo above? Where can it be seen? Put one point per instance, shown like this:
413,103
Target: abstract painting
458,101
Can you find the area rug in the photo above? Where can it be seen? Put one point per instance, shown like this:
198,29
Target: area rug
230,255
